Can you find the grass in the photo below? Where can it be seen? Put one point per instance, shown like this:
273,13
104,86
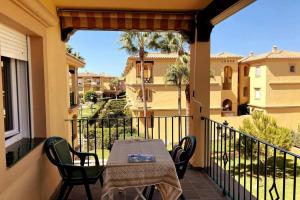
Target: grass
246,164
89,111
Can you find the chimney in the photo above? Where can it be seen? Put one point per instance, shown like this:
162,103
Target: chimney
274,49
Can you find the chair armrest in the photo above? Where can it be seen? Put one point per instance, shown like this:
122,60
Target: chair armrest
82,156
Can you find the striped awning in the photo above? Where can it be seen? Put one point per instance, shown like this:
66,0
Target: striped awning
72,20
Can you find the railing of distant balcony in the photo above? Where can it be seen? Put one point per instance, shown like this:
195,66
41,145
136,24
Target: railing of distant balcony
248,168
98,135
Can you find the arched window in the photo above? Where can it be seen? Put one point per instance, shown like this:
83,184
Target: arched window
246,71
227,105
245,91
227,78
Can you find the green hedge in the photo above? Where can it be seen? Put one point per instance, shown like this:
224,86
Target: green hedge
108,136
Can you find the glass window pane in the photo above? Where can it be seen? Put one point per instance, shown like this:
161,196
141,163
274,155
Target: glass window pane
7,94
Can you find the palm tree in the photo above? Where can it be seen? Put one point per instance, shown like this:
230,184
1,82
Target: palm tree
172,43
136,43
178,74
176,43
115,83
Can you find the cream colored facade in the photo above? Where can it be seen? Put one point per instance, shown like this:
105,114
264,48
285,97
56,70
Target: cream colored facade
100,83
34,177
162,96
73,64
274,85
224,84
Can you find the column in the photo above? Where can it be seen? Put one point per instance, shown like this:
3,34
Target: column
200,95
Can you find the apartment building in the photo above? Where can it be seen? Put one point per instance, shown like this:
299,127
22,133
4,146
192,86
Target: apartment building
73,64
161,97
270,82
224,84
100,83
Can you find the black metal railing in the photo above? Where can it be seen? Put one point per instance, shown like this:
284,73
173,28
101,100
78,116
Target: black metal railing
248,168
98,135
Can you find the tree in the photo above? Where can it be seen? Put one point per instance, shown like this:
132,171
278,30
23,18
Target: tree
172,43
115,83
178,74
176,43
90,96
136,43
265,128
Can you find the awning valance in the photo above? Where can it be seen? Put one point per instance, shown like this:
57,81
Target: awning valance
72,20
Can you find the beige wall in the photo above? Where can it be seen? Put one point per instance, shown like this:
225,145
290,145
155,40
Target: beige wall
258,82
244,81
218,94
282,85
33,177
278,89
164,96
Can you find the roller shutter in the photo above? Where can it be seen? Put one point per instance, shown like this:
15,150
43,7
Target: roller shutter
13,44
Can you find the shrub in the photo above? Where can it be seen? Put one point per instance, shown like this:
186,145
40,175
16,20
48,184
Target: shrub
265,128
297,137
90,96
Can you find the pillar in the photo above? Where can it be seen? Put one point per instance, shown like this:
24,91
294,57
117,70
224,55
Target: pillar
200,93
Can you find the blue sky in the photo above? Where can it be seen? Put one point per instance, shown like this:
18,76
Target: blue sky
256,28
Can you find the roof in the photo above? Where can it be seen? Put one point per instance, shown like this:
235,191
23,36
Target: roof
154,55
87,74
91,74
225,55
74,61
274,54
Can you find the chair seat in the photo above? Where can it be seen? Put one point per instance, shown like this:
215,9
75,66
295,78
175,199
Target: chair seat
92,172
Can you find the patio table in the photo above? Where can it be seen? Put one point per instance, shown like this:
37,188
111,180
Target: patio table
119,174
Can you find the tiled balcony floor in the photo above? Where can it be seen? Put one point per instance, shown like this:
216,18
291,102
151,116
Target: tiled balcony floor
195,185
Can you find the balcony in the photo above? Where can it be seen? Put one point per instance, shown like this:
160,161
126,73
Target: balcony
236,163
147,80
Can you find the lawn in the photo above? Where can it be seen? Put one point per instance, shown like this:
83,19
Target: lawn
88,111
234,169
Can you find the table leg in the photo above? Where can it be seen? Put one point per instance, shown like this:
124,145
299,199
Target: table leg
140,194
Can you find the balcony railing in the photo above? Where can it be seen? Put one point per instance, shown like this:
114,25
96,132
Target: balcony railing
98,135
248,168
147,80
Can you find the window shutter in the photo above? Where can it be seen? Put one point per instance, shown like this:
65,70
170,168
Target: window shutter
12,43
138,69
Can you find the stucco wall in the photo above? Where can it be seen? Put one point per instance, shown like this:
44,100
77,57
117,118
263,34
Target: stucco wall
258,82
33,177
217,69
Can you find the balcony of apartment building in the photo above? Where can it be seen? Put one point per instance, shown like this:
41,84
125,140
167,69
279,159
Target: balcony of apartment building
226,162
148,72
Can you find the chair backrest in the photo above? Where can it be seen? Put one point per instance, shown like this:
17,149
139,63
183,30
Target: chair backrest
182,153
58,152
188,143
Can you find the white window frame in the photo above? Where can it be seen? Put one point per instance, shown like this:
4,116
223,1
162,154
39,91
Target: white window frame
257,71
257,93
16,133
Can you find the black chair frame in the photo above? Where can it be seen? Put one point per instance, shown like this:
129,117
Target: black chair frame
67,171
